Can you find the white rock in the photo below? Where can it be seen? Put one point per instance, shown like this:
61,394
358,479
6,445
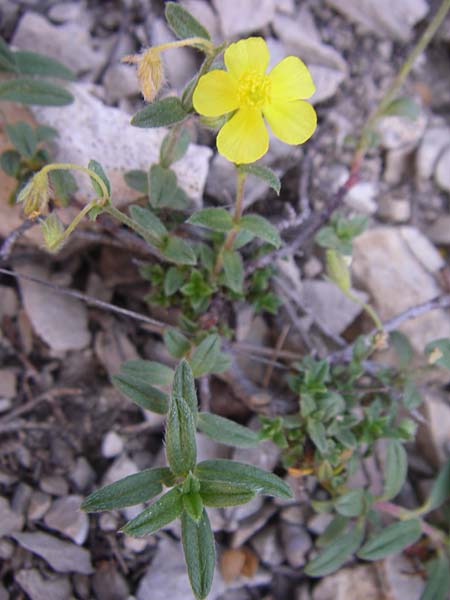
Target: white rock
401,133
67,12
327,82
397,574
285,6
69,43
433,143
39,588
10,521
63,557
40,502
268,547
296,543
349,583
239,17
66,517
433,436
82,474
120,82
329,306
361,197
384,265
439,231
395,210
425,252
112,444
442,174
383,17
301,37
121,467
54,484
93,130
61,321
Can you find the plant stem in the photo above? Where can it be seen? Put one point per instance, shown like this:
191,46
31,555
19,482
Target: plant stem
122,217
74,167
231,235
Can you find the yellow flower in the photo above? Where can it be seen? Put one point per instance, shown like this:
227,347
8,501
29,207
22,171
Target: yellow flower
251,94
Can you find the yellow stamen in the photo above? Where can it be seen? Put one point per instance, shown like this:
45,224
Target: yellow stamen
254,90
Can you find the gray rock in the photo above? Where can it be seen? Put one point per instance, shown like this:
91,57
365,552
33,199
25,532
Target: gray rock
120,82
395,210
439,231
294,514
384,265
61,321
109,584
362,197
10,521
6,549
66,517
63,557
104,133
421,247
360,582
82,475
251,525
296,543
400,133
432,437
238,17
108,521
327,82
383,17
21,498
431,147
40,502
121,467
319,522
54,485
112,444
69,43
442,173
397,571
8,383
136,545
204,13
267,546
39,588
8,302
67,12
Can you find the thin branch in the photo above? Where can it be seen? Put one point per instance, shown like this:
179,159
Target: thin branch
11,239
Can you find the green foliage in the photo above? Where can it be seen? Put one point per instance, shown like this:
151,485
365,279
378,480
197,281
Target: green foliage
160,513
261,228
182,23
216,219
174,146
438,579
199,550
159,114
264,173
98,170
32,91
391,539
164,191
63,185
341,231
336,553
233,270
438,352
404,106
395,470
226,431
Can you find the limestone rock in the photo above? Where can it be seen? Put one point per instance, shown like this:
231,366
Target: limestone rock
350,583
237,17
433,437
433,143
442,174
66,517
10,521
38,588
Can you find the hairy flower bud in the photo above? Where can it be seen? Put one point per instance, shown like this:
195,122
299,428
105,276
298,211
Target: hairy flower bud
35,195
150,71
52,231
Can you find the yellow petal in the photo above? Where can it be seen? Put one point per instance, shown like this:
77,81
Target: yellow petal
291,80
215,94
250,54
293,122
244,138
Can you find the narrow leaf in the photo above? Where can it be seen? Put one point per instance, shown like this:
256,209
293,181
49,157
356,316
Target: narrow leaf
230,471
262,228
440,492
396,468
176,343
10,162
182,23
333,531
216,219
64,185
148,220
23,137
204,356
438,579
351,504
137,180
391,539
148,371
335,554
128,491
403,107
144,395
317,433
181,448
234,270
193,505
98,170
32,91
7,59
159,114
226,431
38,65
221,495
264,173
184,386
44,133
160,513
177,250
199,552
173,149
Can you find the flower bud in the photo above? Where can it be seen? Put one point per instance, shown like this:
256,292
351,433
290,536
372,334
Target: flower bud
52,231
150,71
35,195
338,270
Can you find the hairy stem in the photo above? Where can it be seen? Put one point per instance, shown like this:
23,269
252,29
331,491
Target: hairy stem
74,167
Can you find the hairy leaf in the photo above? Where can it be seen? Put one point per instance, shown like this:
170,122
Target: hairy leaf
199,552
391,539
226,431
160,513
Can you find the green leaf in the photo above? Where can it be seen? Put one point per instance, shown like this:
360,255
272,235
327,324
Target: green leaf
216,219
333,531
226,431
440,491
173,280
199,553
438,352
221,495
160,513
233,270
128,491
160,113
182,23
262,228
164,190
177,250
402,347
38,65
148,220
7,59
137,180
44,133
396,468
64,185
172,149
98,170
391,539
148,371
32,91
23,137
351,504
438,579
232,472
176,343
264,173
204,356
242,238
336,553
10,162
143,394
403,107
184,386
412,397
317,433
181,448
193,505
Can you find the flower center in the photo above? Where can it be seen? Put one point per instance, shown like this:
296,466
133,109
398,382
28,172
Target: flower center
253,89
